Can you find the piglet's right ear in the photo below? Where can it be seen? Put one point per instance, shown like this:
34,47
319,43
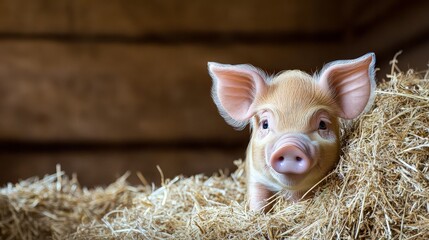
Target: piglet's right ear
235,88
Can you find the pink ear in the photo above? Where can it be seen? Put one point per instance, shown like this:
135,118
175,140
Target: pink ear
351,82
235,88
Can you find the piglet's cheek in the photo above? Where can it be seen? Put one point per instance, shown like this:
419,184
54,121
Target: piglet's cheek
262,133
326,134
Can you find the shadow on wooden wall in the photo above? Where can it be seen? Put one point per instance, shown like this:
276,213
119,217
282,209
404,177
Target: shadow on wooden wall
103,87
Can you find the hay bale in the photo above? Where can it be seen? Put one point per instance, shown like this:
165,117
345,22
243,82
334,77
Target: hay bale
380,189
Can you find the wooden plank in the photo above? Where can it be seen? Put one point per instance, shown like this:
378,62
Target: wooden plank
367,12
102,168
395,31
151,17
52,91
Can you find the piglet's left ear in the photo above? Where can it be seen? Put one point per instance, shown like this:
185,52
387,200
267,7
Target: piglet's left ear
351,82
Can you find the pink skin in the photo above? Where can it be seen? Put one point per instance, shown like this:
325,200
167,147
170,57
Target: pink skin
292,154
294,119
292,161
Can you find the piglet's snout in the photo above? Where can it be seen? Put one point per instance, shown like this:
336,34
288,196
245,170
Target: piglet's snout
292,154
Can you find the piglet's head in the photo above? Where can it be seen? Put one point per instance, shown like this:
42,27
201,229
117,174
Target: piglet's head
293,116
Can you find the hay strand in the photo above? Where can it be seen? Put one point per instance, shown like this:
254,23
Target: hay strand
379,189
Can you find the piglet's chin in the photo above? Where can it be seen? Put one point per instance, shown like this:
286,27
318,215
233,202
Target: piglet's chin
292,182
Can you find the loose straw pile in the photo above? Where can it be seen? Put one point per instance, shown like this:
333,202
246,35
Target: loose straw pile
380,189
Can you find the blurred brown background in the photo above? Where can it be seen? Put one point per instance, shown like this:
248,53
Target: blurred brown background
106,86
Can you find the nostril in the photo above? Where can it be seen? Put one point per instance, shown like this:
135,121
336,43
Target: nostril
289,158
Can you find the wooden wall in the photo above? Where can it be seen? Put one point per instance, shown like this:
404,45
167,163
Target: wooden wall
106,86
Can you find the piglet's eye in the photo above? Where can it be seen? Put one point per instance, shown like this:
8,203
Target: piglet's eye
322,125
265,124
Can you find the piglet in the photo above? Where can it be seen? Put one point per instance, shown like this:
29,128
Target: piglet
294,119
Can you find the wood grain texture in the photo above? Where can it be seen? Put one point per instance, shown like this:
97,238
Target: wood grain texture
398,28
53,91
103,87
140,17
